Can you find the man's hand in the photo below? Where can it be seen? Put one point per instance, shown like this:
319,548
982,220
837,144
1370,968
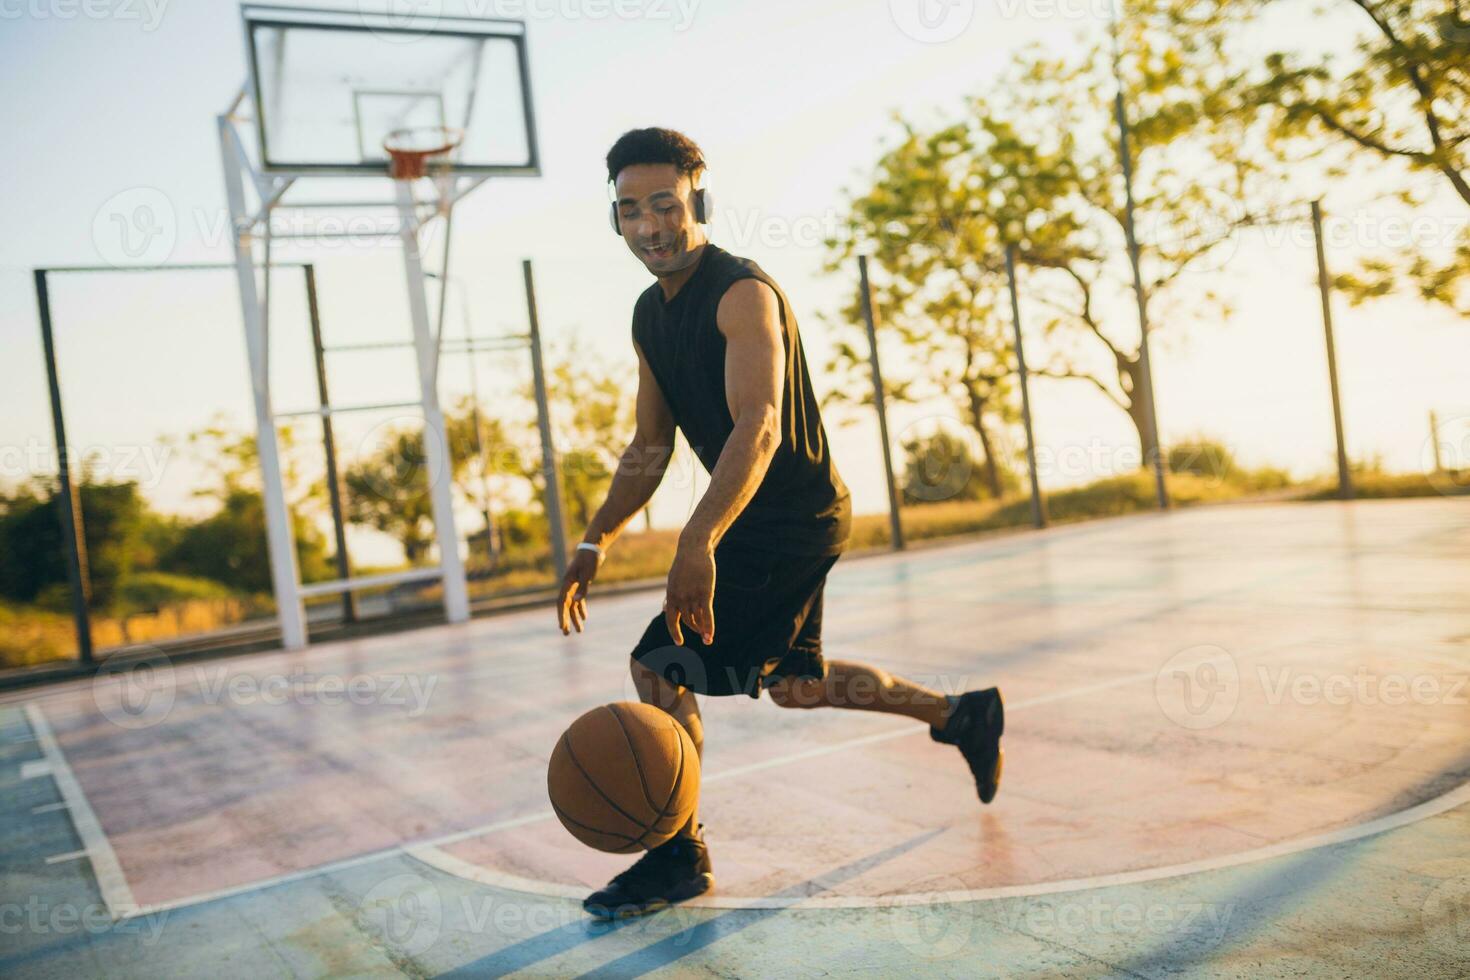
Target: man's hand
691,593
571,608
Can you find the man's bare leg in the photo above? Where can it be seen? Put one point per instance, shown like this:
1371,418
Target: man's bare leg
679,702
863,687
972,722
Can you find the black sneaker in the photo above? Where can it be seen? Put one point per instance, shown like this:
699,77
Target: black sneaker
669,873
975,724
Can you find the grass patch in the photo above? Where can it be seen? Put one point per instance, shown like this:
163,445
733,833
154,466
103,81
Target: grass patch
1382,486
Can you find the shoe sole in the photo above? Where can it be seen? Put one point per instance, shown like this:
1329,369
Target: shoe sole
695,888
993,784
995,719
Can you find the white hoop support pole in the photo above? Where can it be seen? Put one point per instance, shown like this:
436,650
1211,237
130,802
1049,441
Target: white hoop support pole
436,443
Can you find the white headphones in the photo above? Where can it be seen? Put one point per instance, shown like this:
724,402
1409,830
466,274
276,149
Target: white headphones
704,206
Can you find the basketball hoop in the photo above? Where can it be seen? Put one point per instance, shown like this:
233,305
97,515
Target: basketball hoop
412,153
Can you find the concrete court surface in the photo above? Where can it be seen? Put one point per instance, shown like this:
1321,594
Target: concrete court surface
1238,744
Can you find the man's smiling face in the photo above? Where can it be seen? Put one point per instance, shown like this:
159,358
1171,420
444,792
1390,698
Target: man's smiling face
656,213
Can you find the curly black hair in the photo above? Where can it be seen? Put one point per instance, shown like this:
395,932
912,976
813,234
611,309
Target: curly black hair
655,145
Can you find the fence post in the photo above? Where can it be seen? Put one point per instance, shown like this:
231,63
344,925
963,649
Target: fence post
1324,285
329,446
68,498
550,471
895,524
1038,506
1434,441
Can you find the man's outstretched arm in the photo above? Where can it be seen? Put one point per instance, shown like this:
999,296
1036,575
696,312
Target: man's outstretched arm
750,318
640,470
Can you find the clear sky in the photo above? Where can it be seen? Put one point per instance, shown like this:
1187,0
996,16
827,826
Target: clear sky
114,100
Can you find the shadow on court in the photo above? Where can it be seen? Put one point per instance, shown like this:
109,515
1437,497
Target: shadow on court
670,948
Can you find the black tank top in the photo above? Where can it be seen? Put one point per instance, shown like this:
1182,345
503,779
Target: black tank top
802,506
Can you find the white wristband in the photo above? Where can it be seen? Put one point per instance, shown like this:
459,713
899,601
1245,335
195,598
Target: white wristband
589,546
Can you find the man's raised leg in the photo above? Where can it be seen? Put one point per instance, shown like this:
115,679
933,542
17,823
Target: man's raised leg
973,721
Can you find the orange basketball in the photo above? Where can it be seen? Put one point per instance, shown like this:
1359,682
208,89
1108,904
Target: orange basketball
624,777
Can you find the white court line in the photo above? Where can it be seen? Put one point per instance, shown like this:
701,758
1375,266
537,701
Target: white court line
449,864
110,880
48,807
35,768
69,856
430,853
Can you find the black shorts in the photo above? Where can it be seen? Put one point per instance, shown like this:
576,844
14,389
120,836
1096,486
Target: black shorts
768,625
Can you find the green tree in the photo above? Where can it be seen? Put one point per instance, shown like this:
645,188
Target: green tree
937,287
593,427
33,555
1402,97
229,546
1197,159
490,456
389,491
1034,163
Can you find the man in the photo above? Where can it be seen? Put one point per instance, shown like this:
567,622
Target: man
719,357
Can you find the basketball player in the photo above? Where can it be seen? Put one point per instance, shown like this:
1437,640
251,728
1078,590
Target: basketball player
719,357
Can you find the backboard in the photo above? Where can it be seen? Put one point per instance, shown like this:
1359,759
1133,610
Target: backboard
329,85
